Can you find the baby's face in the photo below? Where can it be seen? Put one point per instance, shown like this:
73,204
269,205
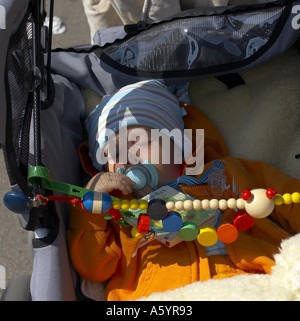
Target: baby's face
138,144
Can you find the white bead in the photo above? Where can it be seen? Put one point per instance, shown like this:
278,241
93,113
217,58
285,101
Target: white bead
188,205
260,206
214,204
170,205
179,205
197,205
222,204
240,203
231,203
205,204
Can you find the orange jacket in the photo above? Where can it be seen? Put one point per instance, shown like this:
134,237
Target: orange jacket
102,250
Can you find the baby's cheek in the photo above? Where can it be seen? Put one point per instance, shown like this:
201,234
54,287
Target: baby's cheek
167,173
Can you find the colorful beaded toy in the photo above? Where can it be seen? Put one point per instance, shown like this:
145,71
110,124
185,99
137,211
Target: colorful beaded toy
164,215
257,203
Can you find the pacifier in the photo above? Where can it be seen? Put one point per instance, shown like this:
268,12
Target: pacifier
143,175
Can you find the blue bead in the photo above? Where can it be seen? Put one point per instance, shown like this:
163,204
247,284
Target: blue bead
106,203
17,202
173,222
89,200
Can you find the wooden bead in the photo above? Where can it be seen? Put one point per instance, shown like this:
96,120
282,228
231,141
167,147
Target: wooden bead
197,205
214,204
287,198
223,204
170,206
135,233
125,205
243,221
278,200
188,205
207,236
227,233
205,204
172,222
296,197
270,193
179,206
116,204
143,205
143,224
231,203
259,206
240,203
157,209
134,204
246,195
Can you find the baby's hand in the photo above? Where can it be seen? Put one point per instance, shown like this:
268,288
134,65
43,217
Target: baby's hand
108,181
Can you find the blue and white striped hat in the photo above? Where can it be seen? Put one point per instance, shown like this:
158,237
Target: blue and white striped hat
146,103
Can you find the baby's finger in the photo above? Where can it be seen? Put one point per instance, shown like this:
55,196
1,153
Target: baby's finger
125,186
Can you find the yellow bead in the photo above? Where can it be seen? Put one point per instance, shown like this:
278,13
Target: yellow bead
135,233
134,204
278,200
116,204
158,223
143,205
296,197
125,205
287,198
207,236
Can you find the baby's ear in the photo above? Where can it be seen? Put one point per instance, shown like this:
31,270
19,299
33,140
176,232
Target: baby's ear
85,160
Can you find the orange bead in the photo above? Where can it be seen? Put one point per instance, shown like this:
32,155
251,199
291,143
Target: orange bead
227,233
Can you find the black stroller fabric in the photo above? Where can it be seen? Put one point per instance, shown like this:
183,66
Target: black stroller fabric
25,143
196,43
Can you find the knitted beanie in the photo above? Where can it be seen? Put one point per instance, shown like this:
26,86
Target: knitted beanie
146,103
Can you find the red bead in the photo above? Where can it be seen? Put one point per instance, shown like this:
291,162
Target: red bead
115,214
243,221
270,193
246,195
143,224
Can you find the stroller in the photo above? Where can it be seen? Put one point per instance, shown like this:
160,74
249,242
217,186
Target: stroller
44,98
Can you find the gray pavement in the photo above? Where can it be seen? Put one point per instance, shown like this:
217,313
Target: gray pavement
14,250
